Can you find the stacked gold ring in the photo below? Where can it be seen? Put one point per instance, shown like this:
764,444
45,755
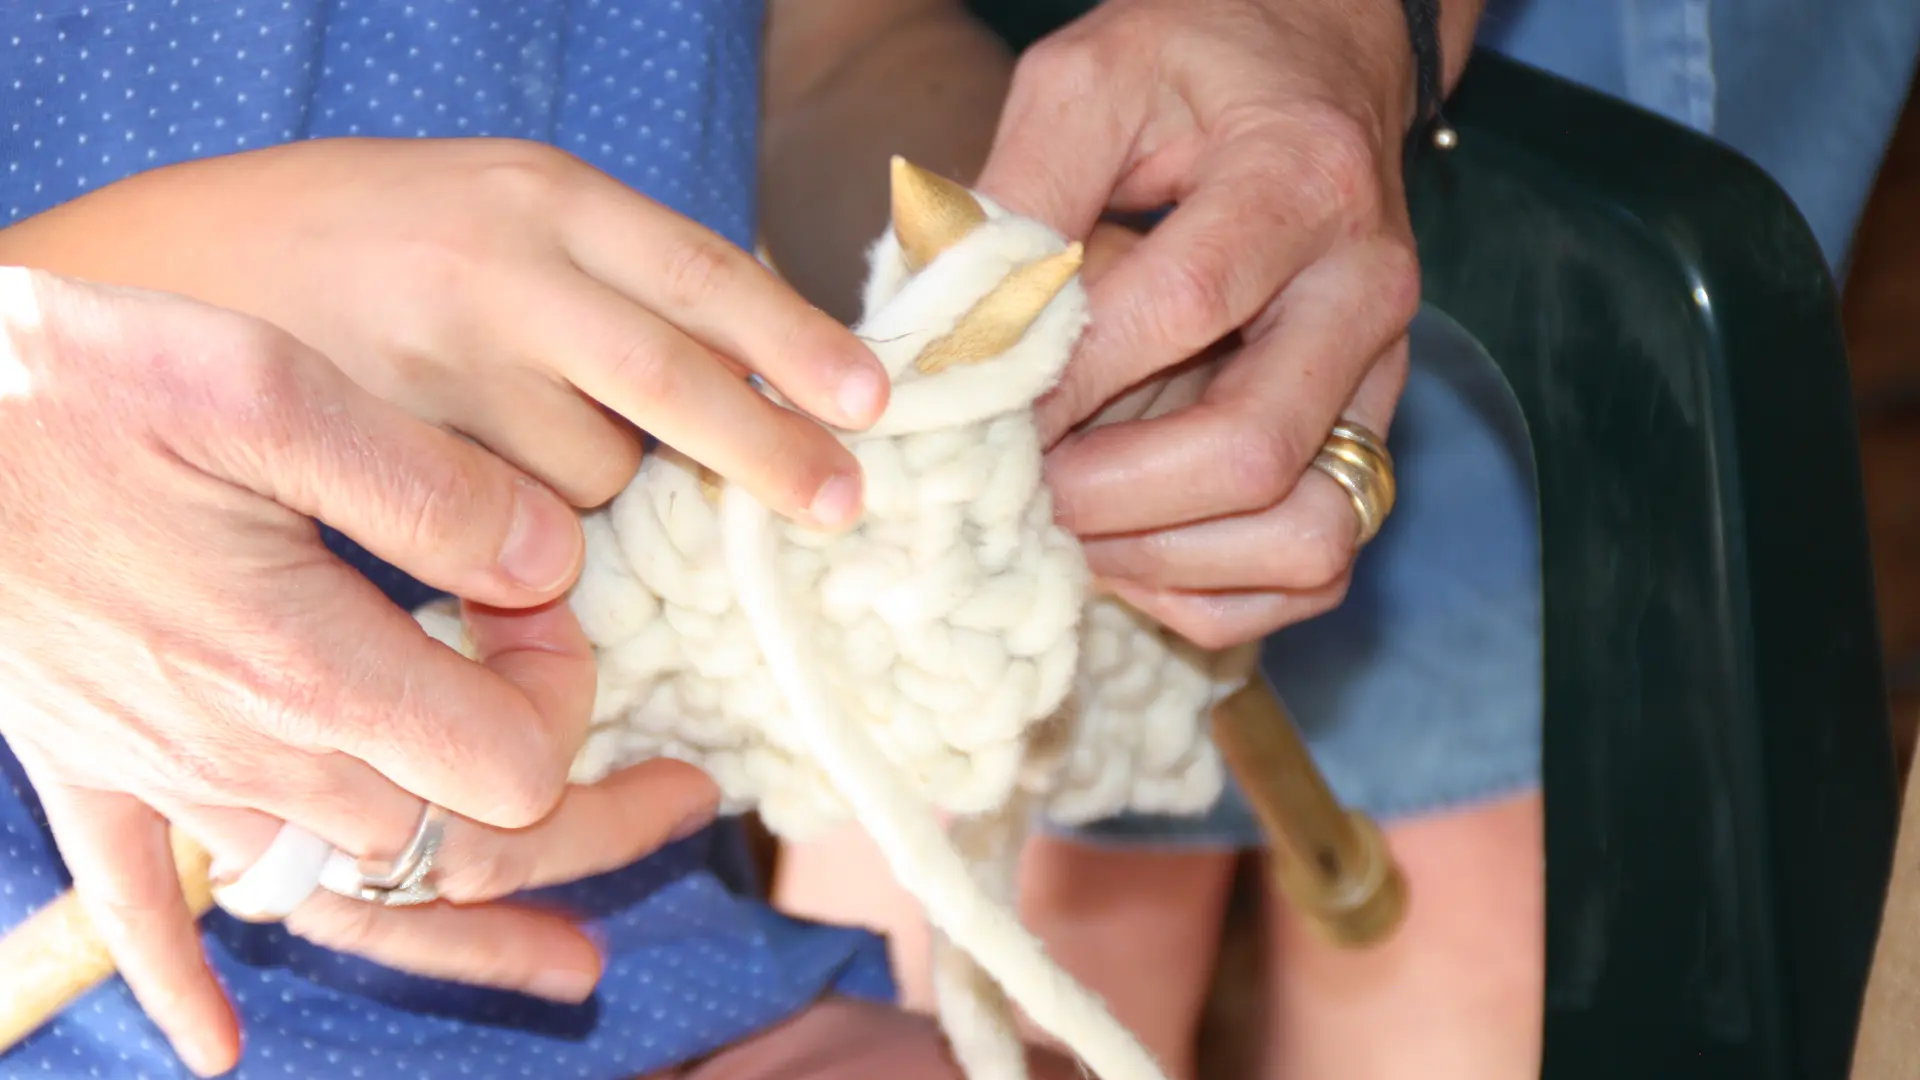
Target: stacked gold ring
1357,459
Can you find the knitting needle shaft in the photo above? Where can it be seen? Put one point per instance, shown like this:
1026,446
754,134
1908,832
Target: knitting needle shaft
1331,863
56,955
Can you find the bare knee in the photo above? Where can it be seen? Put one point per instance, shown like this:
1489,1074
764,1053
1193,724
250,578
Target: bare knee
1461,984
1139,928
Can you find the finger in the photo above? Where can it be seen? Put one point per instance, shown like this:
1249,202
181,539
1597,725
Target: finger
1245,444
542,653
547,428
723,296
493,741
292,428
595,829
1066,136
1219,259
1107,247
1171,390
674,387
495,945
1306,542
123,872
494,745
1223,620
265,865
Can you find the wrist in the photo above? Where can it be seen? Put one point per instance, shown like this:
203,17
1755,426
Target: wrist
1423,43
1386,40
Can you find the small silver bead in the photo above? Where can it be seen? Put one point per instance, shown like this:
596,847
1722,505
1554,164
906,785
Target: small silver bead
1445,138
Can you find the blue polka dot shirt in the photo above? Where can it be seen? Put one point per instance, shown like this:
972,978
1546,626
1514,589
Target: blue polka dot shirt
660,94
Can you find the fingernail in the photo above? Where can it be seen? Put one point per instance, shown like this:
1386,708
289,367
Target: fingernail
859,396
837,502
543,544
563,985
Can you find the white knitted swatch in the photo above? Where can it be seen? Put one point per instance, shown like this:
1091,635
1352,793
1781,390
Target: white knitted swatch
943,656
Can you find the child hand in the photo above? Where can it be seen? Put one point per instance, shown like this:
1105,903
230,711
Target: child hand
505,290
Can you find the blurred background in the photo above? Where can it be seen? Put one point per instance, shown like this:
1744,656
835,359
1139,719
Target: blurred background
1882,304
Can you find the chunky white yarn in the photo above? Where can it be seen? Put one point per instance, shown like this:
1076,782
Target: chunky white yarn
942,656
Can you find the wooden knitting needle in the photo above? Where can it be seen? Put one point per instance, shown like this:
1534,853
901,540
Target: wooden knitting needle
930,213
56,955
1332,864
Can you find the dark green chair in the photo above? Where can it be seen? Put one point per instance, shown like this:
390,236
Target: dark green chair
1719,775
1720,785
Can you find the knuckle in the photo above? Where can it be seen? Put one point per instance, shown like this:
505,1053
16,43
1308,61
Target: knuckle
1397,287
217,771
1210,634
291,705
438,263
695,270
255,381
604,475
526,795
1142,559
443,497
1193,304
1263,464
524,175
1316,561
1203,620
645,369
1332,595
1062,68
1342,163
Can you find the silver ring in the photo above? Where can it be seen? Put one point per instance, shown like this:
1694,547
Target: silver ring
406,880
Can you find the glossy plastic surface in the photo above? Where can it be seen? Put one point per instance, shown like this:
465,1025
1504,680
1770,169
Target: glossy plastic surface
1720,782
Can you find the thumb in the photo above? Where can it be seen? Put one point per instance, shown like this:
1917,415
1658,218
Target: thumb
288,425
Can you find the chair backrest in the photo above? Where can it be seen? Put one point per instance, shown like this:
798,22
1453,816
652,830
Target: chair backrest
1720,783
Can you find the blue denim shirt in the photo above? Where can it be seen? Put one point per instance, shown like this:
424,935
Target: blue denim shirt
1809,89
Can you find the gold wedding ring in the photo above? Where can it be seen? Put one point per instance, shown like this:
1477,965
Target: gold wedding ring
1357,459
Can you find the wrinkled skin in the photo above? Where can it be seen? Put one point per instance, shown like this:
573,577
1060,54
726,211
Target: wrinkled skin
1277,130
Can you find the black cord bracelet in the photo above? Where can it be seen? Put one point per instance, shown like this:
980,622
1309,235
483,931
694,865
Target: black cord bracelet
1423,26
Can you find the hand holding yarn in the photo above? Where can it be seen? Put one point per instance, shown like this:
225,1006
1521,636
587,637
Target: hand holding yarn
944,655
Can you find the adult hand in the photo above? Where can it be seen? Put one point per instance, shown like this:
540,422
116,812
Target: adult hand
1276,129
503,289
177,644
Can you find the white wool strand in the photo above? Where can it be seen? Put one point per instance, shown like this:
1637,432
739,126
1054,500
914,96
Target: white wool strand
904,827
